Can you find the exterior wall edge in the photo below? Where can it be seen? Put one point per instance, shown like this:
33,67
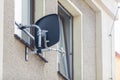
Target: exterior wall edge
100,8
98,5
1,37
99,65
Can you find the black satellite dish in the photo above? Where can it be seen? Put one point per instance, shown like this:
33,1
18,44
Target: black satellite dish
47,33
51,24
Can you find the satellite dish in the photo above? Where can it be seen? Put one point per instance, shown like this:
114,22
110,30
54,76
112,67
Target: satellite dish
50,24
47,34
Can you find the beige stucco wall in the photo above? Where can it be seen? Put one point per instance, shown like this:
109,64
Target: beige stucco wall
15,67
38,72
106,47
111,5
14,64
1,38
89,26
102,17
105,44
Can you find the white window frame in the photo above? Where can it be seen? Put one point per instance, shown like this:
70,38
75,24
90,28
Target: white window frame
66,60
77,39
18,16
62,62
22,16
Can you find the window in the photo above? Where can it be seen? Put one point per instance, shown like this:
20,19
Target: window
65,60
24,15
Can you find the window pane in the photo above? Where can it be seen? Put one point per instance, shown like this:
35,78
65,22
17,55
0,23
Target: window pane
66,41
63,60
26,18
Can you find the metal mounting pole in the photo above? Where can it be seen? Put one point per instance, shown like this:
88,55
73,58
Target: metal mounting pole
39,33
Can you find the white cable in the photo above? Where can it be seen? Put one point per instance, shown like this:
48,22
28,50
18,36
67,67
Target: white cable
112,27
110,35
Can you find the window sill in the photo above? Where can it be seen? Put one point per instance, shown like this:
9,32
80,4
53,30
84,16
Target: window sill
43,58
21,40
62,75
28,45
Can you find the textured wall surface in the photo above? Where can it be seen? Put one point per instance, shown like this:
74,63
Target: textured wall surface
1,37
89,28
15,67
111,5
107,47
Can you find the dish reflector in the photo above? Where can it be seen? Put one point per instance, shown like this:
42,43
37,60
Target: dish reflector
50,23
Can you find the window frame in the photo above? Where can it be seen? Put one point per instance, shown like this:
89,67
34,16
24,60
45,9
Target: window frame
61,12
19,35
78,40
31,43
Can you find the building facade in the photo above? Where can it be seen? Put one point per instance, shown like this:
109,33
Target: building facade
84,35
